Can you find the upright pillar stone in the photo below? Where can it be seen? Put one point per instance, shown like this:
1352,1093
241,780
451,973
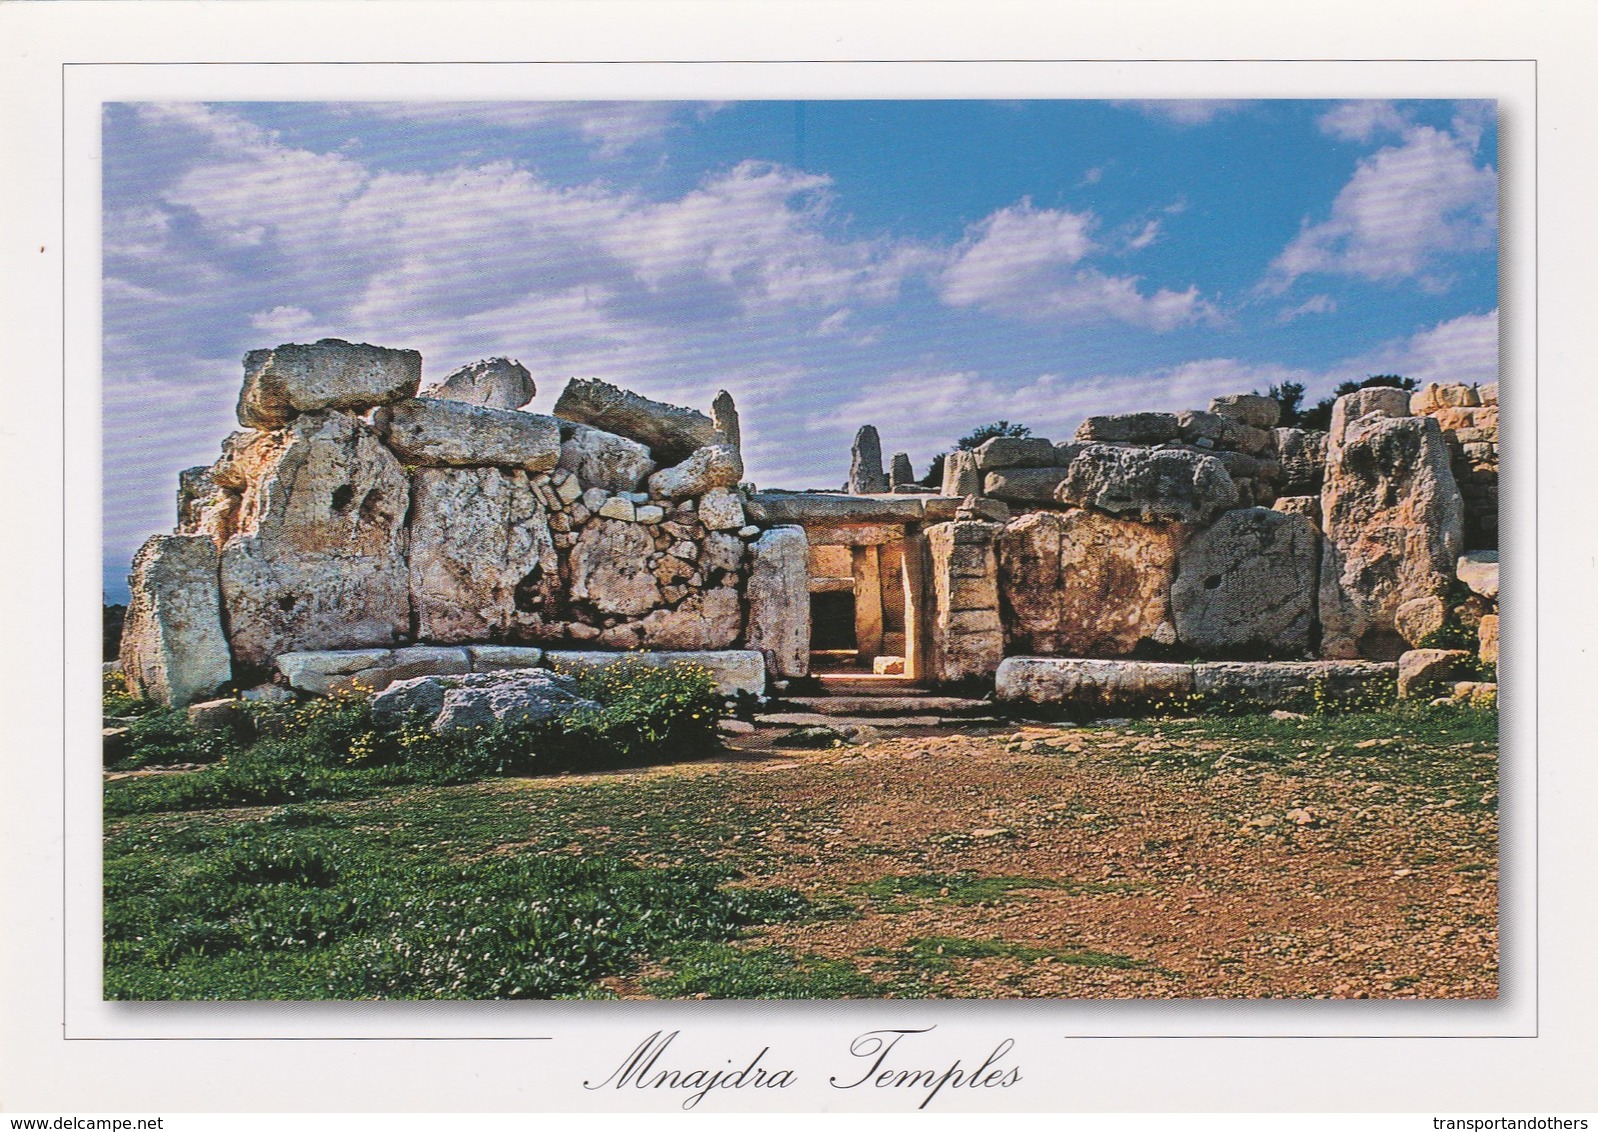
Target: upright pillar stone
961,476
967,636
915,570
724,415
865,464
173,649
779,600
901,472
867,573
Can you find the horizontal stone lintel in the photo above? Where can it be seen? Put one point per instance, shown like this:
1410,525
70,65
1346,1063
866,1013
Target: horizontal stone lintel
833,509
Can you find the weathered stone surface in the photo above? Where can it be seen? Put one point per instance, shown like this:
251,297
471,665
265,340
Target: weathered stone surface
723,551
670,432
1309,506
608,569
479,699
1295,684
619,507
1301,455
196,488
1377,401
1212,430
1393,520
173,648
1248,408
724,416
1153,486
865,463
219,715
1091,685
711,619
1015,452
721,509
602,460
481,554
321,561
1435,395
901,473
1247,584
781,507
1487,638
718,465
986,510
731,670
317,671
865,568
453,433
330,374
967,638
1025,485
1420,617
405,664
497,658
960,474
1084,584
1478,569
1425,672
493,383
1488,393
779,601
1133,428
887,666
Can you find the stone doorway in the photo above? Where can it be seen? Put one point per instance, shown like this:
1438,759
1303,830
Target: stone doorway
859,601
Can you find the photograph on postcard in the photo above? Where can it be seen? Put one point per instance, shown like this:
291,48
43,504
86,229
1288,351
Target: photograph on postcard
854,549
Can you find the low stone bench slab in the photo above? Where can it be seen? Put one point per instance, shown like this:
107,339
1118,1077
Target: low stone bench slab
731,670
1110,685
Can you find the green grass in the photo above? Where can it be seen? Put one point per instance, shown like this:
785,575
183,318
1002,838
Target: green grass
723,971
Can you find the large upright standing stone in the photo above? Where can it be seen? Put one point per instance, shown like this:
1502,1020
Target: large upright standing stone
961,476
1247,585
865,463
1393,519
967,639
779,600
901,471
1085,584
671,432
330,374
724,415
173,648
481,553
320,561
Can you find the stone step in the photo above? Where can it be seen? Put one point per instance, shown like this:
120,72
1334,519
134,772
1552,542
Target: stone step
881,722
917,704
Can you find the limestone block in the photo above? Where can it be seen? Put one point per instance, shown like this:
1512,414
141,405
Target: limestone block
1015,452
887,666
424,431
1425,672
1309,506
779,601
405,664
1377,401
173,648
1420,617
479,699
710,619
721,509
1488,393
1435,395
1084,584
1248,584
1025,485
608,569
330,374
1487,636
1134,428
1153,486
601,460
670,432
1212,430
1248,408
960,474
1393,520
836,508
317,671
865,463
496,658
724,416
1295,685
482,556
619,508
1092,685
866,573
1301,455
718,465
322,562
731,670
493,383
723,551
1478,569
967,639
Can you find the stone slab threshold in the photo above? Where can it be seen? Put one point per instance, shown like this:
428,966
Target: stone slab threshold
879,722
1114,685
887,704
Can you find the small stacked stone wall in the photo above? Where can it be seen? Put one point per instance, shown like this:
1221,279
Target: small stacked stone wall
1468,417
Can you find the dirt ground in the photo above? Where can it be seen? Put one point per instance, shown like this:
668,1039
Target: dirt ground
1083,868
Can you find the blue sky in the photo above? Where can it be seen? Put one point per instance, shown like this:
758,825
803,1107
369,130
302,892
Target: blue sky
925,266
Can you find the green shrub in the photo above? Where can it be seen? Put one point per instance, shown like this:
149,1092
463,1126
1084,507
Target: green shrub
116,701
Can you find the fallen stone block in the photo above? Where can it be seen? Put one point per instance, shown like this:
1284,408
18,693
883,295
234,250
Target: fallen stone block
1092,685
1478,569
717,465
1423,672
1296,685
671,433
479,699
